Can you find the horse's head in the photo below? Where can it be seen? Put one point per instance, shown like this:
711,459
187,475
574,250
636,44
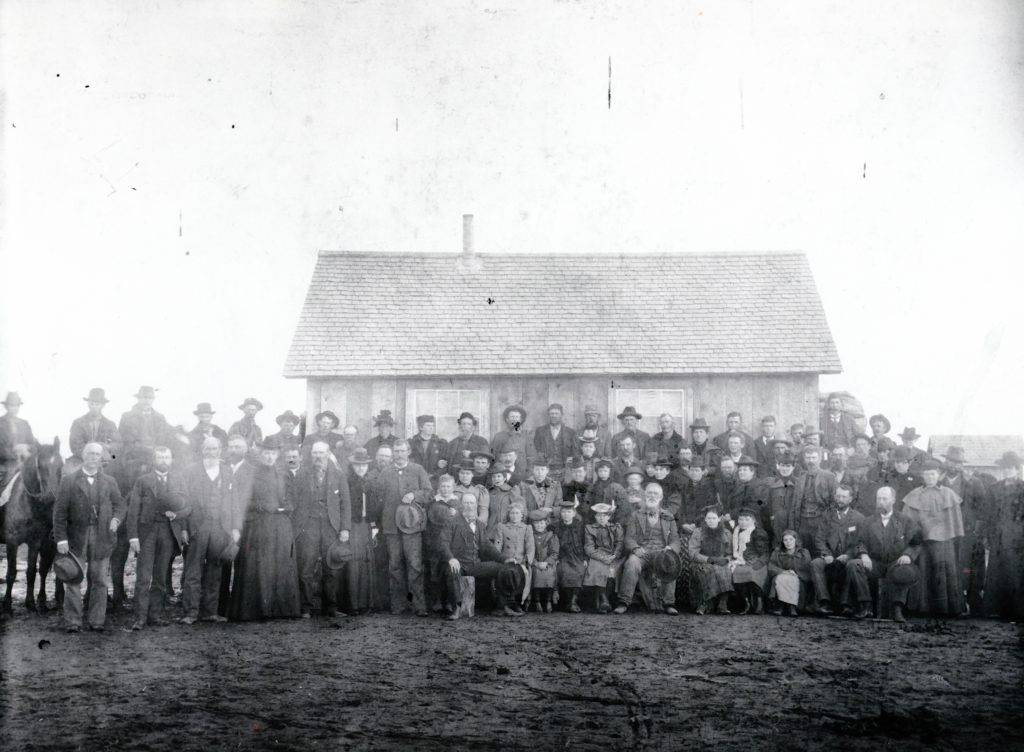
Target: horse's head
42,470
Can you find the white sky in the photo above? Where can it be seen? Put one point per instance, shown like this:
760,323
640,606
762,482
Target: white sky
884,139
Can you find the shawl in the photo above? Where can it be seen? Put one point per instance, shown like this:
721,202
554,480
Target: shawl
937,510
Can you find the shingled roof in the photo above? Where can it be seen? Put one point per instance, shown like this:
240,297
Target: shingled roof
389,314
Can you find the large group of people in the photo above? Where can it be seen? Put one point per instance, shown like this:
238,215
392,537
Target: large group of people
821,519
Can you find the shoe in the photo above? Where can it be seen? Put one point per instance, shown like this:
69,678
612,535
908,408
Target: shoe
603,606
621,609
863,613
758,606
574,607
509,611
332,613
138,626
538,607
548,608
159,622
791,611
777,611
73,629
422,612
518,609
217,619
897,614
188,620
847,612
824,609
701,609
305,615
453,616
722,607
671,611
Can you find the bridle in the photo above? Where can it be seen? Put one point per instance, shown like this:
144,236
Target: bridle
39,478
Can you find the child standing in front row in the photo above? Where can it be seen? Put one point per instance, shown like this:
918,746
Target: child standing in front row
545,562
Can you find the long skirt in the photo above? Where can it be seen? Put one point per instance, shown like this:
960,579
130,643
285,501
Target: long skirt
1004,588
356,585
266,582
571,572
939,590
708,581
598,573
744,573
786,588
544,578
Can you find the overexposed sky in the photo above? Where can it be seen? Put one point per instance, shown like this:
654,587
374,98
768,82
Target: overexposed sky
169,171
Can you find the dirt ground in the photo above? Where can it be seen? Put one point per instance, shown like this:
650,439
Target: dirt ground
555,681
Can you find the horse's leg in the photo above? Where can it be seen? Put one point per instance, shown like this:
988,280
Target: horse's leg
12,575
30,577
47,553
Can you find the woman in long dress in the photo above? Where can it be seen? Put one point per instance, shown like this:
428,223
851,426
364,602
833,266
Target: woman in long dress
709,550
936,510
266,575
358,585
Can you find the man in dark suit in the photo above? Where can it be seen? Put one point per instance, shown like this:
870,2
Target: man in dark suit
204,429
86,516
427,449
14,431
94,426
884,540
834,537
785,497
630,420
464,545
240,472
555,441
764,444
647,533
323,515
734,424
837,426
157,501
467,442
142,427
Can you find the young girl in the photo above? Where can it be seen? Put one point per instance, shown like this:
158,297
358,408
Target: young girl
543,573
603,546
515,541
789,568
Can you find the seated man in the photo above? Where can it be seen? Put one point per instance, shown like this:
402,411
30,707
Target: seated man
835,535
464,545
647,533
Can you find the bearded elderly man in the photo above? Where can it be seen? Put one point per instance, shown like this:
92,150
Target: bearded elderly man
403,482
323,515
86,516
647,533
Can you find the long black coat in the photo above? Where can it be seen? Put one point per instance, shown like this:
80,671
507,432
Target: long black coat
72,513
458,541
105,433
150,499
884,545
339,506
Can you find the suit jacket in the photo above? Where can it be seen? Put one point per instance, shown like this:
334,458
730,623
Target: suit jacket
835,537
639,531
722,442
783,508
139,429
339,504
837,433
764,454
884,545
557,450
538,497
240,485
666,446
197,436
392,485
640,441
150,499
18,433
73,512
458,541
819,492
428,456
212,501
248,430
82,433
458,445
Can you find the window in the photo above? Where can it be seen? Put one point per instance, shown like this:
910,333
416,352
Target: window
447,405
651,403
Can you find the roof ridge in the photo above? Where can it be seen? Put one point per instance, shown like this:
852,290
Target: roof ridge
513,255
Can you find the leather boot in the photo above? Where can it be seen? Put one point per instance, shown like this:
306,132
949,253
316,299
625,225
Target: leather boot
603,605
897,614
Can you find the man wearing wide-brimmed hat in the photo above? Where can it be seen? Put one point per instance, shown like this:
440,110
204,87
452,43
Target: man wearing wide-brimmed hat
592,426
142,427
630,420
701,448
879,426
14,431
384,422
908,437
86,516
246,427
285,436
205,429
514,435
1004,585
972,546
462,446
95,426
429,449
326,421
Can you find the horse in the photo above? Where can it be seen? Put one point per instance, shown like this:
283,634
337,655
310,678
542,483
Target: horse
28,518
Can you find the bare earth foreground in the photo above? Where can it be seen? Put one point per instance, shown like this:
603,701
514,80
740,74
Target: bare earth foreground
540,682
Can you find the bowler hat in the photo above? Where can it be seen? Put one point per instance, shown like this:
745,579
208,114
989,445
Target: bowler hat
222,546
601,508
497,468
664,461
421,420
251,401
338,555
68,568
13,399
510,579
539,460
383,418
955,454
1009,459
747,461
466,465
145,391
861,435
575,462
903,454
409,518
486,455
203,407
746,512
465,415
539,514
700,423
634,470
556,406
288,415
810,431
910,433
786,458
902,574
327,414
629,412
518,408
588,436
667,565
359,457
780,440
96,394
888,425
